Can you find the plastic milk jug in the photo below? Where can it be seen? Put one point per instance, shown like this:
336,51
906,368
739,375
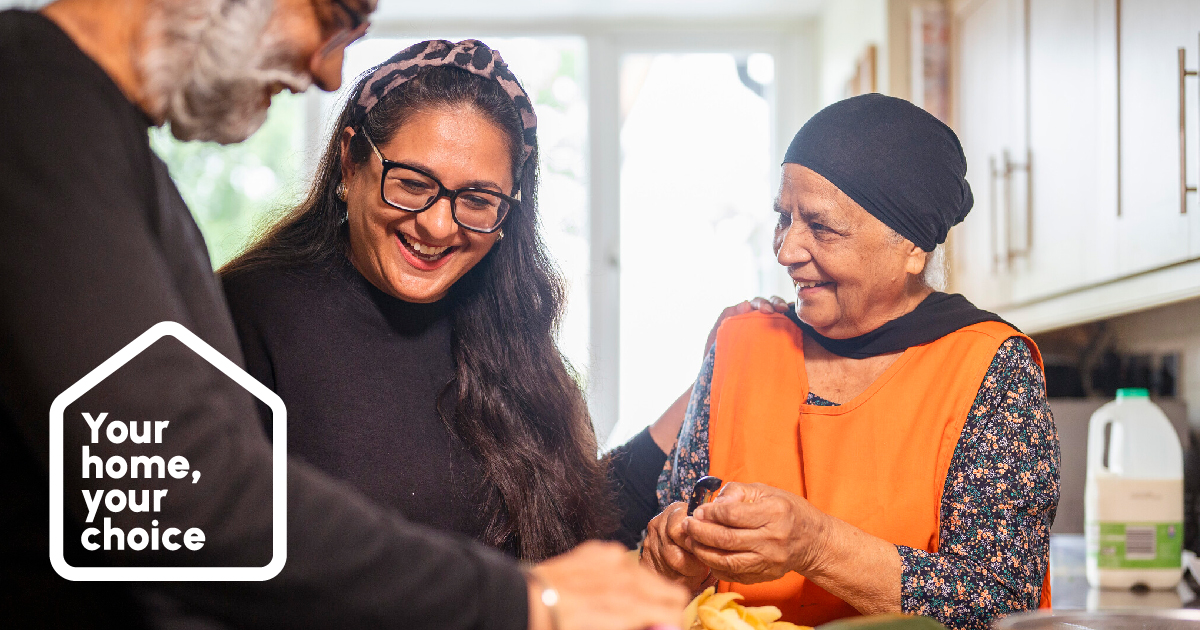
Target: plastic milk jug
1133,505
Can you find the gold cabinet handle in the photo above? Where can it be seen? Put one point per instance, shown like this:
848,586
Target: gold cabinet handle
1184,189
996,173
1011,167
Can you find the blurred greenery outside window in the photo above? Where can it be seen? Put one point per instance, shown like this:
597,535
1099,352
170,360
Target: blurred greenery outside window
234,191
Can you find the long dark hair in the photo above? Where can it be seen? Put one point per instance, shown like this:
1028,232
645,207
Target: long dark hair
513,399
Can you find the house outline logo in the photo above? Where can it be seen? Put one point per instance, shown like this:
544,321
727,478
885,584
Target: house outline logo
278,468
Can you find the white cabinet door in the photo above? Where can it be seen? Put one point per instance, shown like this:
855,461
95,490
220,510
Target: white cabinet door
989,90
1063,239
1109,202
1156,217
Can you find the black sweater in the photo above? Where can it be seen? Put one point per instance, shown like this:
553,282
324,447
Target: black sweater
360,372
96,246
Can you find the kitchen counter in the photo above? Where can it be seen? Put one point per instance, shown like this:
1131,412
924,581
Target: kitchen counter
1070,591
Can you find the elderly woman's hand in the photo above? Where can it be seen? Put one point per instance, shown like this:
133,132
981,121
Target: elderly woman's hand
755,533
664,549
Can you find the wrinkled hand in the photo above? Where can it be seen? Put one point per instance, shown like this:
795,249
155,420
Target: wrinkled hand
756,533
774,304
601,587
665,552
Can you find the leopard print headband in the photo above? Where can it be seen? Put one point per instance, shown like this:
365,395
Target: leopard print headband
471,55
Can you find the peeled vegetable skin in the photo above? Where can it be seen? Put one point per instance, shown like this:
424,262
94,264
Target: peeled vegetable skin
721,611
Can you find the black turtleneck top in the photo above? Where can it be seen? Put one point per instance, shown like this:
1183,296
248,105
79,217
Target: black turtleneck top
360,372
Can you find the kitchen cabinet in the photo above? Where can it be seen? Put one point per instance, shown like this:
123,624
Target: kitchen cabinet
1071,160
990,94
1073,148
1158,219
1039,131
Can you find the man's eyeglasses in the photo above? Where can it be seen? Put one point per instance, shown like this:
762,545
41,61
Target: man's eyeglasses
350,25
413,190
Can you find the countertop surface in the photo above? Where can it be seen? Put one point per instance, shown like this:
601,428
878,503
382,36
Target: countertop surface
1070,591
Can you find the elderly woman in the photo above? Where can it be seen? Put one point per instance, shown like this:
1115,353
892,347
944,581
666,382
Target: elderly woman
886,447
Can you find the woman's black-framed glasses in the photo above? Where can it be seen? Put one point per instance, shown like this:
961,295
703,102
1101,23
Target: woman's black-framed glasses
411,189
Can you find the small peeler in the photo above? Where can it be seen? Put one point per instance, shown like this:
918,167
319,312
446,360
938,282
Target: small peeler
704,491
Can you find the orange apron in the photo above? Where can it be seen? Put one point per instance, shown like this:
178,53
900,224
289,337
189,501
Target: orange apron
878,462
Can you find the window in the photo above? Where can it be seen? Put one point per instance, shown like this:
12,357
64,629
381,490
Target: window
696,224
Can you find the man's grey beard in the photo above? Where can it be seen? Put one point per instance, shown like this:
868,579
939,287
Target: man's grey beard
207,66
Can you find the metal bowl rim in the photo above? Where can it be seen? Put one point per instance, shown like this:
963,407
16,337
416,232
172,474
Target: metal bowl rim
1166,614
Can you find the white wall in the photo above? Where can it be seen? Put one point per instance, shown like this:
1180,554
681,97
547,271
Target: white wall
847,27
1167,329
22,4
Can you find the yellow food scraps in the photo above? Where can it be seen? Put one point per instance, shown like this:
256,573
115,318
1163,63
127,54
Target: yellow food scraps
721,611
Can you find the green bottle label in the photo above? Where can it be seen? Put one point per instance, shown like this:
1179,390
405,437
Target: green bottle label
1137,545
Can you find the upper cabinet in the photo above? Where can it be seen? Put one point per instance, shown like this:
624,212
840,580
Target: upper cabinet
1031,115
1071,78
1159,133
1080,185
989,47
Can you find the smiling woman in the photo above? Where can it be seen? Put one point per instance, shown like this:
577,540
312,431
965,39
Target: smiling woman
889,447
405,311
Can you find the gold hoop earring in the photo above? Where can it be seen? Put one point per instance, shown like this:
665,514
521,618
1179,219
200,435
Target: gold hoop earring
340,191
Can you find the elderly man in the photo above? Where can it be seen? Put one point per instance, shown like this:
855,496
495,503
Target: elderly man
886,447
98,246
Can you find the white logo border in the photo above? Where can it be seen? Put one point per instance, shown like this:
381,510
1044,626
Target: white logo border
278,469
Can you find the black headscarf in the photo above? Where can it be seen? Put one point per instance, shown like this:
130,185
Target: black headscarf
894,159
907,169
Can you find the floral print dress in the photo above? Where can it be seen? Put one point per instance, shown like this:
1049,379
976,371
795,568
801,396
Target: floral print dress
997,506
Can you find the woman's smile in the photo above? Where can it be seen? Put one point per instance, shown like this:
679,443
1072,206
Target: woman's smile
423,257
807,288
